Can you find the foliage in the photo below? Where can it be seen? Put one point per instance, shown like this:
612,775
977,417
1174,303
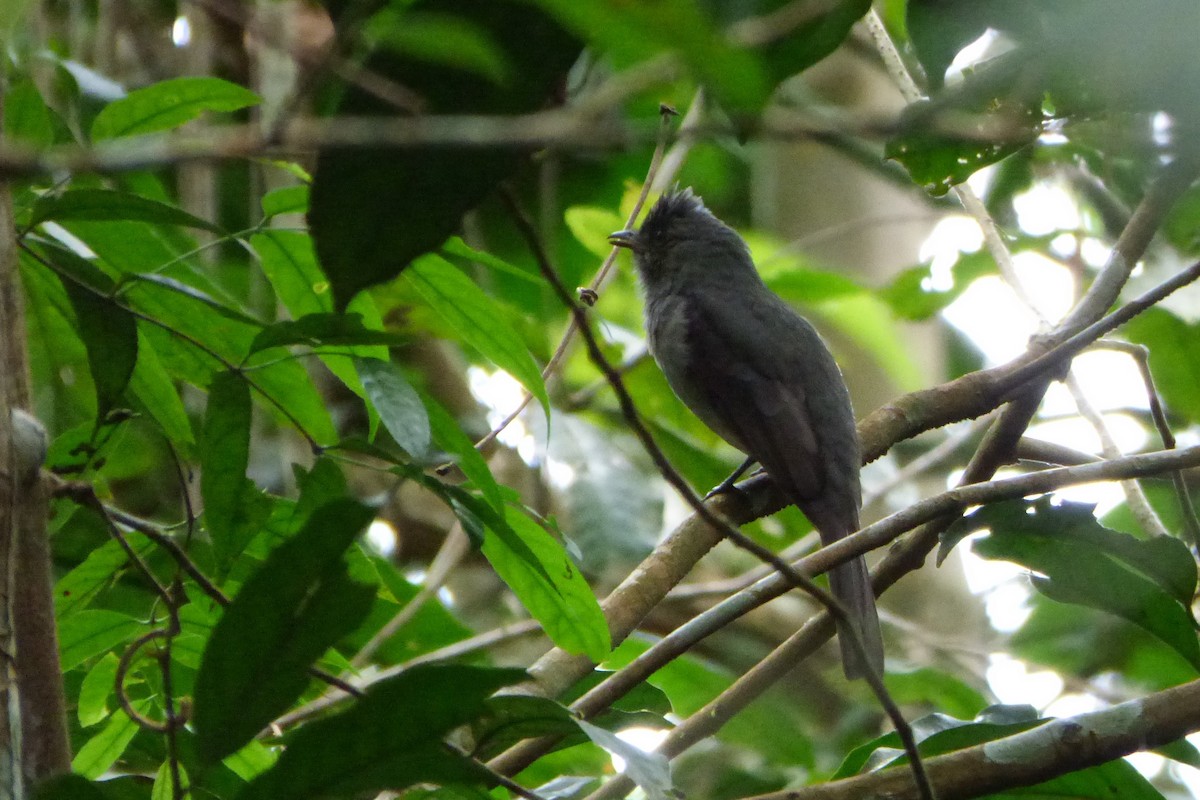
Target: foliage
255,335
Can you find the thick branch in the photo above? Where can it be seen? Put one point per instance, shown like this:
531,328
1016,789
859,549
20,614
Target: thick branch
1025,759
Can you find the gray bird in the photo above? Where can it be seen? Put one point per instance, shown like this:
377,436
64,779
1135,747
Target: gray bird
758,374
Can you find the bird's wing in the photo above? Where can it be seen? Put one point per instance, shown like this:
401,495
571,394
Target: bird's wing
748,369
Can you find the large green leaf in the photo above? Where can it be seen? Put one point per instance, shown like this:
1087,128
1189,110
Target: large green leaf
477,319
375,209
822,30
389,739
1147,582
551,589
290,611
169,104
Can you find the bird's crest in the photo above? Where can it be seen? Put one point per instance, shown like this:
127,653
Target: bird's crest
675,203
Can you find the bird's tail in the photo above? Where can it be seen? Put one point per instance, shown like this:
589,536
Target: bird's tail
852,587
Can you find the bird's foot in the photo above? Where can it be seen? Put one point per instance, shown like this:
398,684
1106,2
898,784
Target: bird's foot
727,485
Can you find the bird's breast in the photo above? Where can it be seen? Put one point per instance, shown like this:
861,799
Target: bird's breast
669,334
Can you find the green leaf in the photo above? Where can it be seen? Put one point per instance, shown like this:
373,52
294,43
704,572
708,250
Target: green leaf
911,296
56,353
169,104
96,690
109,332
398,404
822,31
224,456
102,750
938,34
225,309
511,718
477,319
450,437
552,589
91,632
290,265
290,611
1181,750
106,204
389,739
1149,583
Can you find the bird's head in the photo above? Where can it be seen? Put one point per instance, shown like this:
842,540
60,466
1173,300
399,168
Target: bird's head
682,238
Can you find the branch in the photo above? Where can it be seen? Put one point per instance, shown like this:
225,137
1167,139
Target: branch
876,535
1028,758
589,127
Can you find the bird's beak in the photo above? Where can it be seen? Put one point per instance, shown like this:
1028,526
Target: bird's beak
626,238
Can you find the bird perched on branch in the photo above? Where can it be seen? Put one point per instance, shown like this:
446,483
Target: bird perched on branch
760,376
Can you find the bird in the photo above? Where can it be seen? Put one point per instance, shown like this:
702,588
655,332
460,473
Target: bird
759,375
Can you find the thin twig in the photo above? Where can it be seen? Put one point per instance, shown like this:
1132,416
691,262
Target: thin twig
455,546
1139,506
1141,357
